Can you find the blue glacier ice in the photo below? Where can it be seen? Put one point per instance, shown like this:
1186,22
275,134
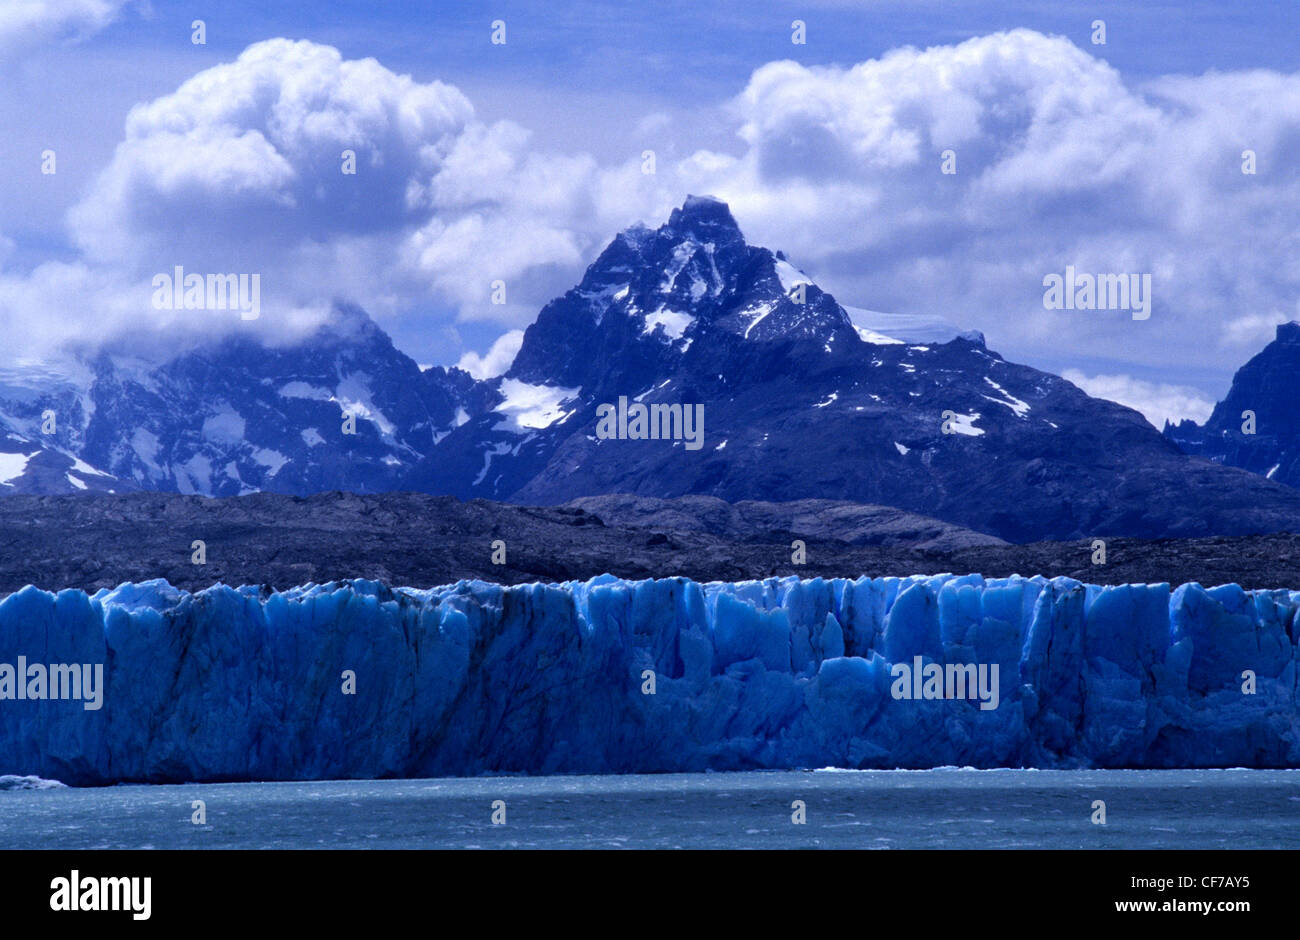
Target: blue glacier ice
248,684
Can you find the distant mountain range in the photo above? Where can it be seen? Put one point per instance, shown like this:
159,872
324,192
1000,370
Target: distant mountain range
800,398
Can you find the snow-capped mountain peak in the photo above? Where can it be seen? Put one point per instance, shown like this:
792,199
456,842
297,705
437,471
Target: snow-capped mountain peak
791,396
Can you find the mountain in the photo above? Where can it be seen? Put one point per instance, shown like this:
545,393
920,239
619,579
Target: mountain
802,402
43,417
237,417
790,397
1266,385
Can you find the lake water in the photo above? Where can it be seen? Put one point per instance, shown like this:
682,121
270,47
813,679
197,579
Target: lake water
942,809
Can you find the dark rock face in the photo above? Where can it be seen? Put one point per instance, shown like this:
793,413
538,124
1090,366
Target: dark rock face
94,540
100,540
753,521
1266,385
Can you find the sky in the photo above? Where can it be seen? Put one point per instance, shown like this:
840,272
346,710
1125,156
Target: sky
517,161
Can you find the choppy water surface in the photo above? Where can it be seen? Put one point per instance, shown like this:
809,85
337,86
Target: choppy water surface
947,808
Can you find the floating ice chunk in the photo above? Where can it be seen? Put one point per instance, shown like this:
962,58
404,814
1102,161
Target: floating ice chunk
13,782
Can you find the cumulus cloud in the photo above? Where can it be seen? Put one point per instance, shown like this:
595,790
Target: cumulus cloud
25,23
1157,402
498,358
1251,330
241,170
1059,162
257,145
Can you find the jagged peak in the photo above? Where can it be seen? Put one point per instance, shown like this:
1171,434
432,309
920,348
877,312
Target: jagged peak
705,217
350,319
636,235
1288,332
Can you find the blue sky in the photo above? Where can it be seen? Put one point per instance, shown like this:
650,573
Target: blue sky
1143,177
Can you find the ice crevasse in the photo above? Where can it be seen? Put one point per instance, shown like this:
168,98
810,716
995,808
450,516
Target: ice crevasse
249,684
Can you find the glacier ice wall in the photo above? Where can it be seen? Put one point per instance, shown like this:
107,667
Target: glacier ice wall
239,684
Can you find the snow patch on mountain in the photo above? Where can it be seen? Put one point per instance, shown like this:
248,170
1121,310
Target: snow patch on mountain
531,407
495,450
297,389
879,339
13,465
790,276
146,445
965,424
673,322
907,328
225,427
681,257
194,476
271,459
1020,408
353,394
81,466
757,314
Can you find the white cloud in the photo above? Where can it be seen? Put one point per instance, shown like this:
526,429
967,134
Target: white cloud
1157,402
1252,330
240,171
1060,161
498,358
254,149
25,23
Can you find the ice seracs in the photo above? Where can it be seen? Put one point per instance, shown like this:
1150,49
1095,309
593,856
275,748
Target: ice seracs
247,684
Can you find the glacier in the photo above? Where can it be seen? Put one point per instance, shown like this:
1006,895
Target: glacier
356,679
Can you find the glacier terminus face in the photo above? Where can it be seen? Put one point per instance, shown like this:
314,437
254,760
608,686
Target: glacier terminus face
359,680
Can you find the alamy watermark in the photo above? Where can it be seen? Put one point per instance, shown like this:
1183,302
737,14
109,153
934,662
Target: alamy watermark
83,682
654,422
955,680
88,893
181,291
1075,291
